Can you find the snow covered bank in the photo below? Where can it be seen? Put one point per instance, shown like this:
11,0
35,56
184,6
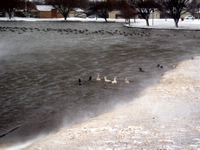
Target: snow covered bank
61,19
167,24
140,23
166,116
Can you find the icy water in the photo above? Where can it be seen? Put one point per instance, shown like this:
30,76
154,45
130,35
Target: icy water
41,62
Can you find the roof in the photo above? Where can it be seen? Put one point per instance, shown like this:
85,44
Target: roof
44,7
78,10
95,0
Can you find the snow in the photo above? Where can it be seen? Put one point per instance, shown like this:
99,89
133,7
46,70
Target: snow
163,117
60,19
140,23
167,24
78,10
44,7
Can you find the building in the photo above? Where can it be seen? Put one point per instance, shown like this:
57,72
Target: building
114,14
47,11
186,14
155,14
2,13
197,14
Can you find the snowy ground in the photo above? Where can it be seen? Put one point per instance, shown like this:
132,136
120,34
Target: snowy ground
166,116
167,24
61,19
155,23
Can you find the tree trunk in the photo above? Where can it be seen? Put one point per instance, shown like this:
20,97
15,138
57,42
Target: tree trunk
105,15
147,21
126,21
10,15
176,22
65,16
106,19
10,12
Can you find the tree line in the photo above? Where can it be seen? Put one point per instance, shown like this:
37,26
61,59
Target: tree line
9,6
128,8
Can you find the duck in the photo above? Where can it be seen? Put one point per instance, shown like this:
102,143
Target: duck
106,80
79,81
159,66
140,69
98,78
126,81
90,78
114,81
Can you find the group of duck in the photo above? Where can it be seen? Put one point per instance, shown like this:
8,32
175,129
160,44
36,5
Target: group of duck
143,33
114,81
22,30
67,31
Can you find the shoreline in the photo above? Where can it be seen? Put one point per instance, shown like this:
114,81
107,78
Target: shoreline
149,28
165,116
158,24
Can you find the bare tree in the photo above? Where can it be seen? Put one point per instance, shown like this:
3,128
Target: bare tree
31,5
198,9
195,7
175,8
1,6
83,4
10,5
64,6
92,8
39,2
144,7
127,12
104,7
27,6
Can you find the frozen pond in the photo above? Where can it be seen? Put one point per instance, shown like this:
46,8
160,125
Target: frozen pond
41,62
